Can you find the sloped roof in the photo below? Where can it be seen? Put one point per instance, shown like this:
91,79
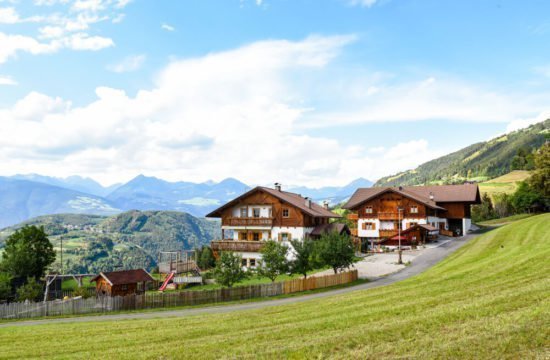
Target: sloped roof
448,193
441,194
125,277
362,195
328,228
293,199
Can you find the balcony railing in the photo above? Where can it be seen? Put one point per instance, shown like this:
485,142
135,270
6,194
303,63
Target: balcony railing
248,221
389,215
236,245
353,216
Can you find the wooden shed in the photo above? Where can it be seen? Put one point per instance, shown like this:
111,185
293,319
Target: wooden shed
120,283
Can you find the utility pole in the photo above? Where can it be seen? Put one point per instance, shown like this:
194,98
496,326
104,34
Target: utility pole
399,210
61,240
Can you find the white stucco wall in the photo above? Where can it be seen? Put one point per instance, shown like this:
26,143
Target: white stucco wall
368,233
406,222
466,225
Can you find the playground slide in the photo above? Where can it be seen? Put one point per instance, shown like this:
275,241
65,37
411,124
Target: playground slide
165,283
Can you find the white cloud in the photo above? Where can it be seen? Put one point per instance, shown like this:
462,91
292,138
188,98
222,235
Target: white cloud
71,29
239,113
431,98
8,15
167,27
7,80
128,64
363,3
523,123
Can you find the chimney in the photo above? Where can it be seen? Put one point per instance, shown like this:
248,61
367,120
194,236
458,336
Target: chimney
308,202
325,204
431,196
277,186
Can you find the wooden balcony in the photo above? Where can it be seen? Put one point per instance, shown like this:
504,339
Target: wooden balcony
389,215
234,245
353,216
248,221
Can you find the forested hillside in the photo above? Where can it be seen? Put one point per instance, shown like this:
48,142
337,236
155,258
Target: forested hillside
481,161
132,239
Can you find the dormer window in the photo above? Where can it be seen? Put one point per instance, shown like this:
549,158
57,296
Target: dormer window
414,209
244,212
368,210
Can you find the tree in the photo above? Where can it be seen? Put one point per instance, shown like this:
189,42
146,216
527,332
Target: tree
28,253
274,261
335,250
502,205
206,258
524,197
483,211
304,256
30,291
540,179
229,270
5,286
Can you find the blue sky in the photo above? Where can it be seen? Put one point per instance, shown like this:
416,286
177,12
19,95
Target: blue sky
302,92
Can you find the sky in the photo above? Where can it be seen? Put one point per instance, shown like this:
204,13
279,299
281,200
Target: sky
303,92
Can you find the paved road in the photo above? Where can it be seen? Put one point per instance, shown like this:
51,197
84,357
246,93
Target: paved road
422,262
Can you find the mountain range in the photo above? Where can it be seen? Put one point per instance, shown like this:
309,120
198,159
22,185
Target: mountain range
26,196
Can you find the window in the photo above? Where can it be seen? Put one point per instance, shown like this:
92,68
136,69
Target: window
285,237
124,287
369,226
256,212
243,262
252,262
368,210
244,212
411,224
242,235
286,213
414,209
256,236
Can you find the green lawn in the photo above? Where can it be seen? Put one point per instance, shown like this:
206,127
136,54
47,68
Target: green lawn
488,300
505,220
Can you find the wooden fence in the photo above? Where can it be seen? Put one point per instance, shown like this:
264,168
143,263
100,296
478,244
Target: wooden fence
106,304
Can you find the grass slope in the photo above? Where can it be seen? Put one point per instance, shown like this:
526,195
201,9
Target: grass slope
490,299
504,184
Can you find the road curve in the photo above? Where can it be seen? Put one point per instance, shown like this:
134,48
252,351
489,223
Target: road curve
422,262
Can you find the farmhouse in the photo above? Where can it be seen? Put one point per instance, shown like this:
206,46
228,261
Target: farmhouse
264,213
120,283
420,211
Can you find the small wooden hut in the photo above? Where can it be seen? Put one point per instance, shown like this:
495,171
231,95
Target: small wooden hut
120,283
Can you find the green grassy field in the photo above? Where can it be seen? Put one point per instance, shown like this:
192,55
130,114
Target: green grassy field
490,299
505,183
505,220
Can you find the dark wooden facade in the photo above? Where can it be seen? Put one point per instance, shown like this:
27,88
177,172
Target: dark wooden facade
105,289
295,218
384,207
